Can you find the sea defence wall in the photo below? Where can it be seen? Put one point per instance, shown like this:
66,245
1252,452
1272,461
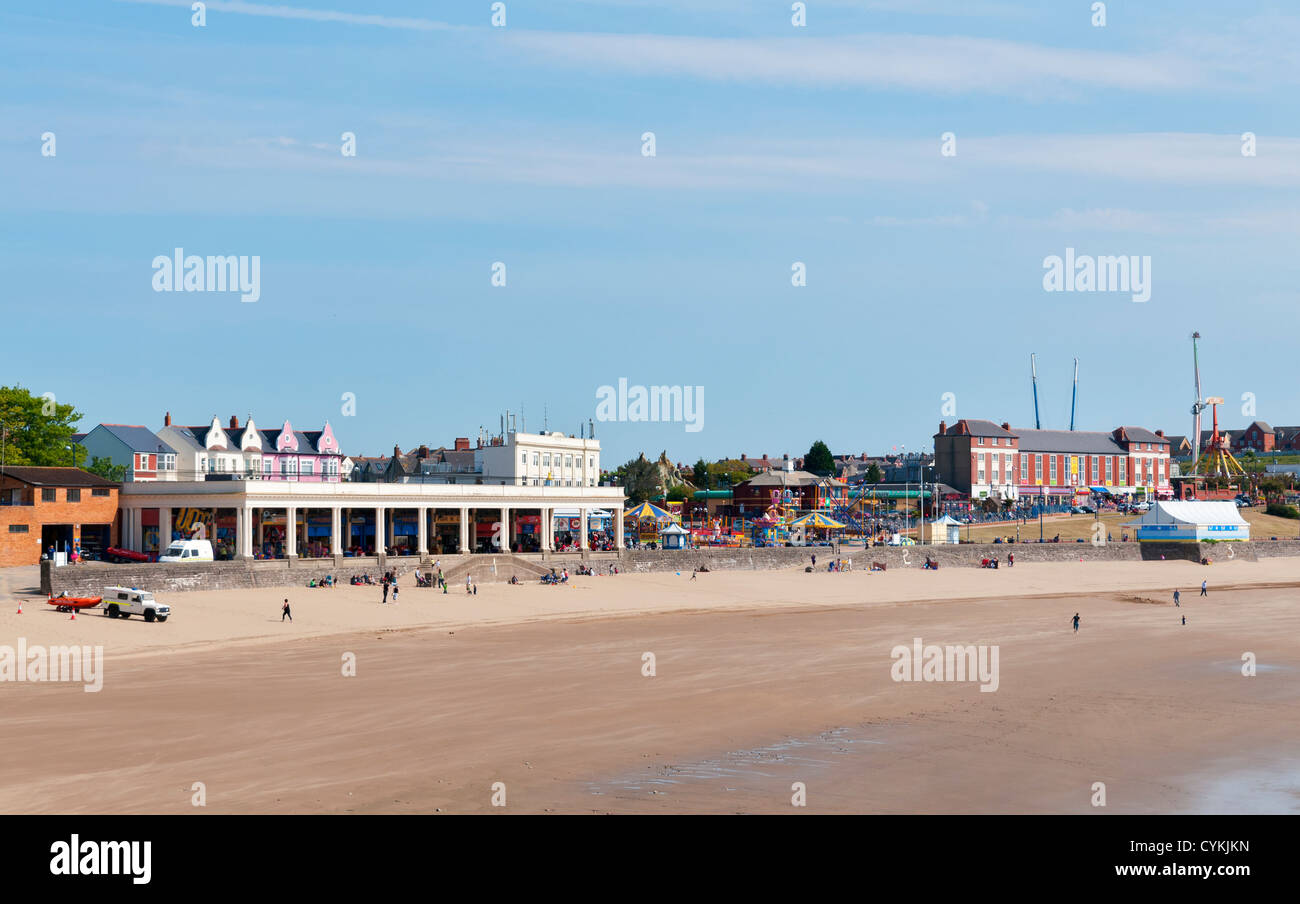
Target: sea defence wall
92,577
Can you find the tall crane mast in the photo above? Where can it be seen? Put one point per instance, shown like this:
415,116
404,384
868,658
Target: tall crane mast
1198,406
1074,395
1033,368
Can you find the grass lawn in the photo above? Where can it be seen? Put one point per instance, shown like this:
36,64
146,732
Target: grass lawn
1071,527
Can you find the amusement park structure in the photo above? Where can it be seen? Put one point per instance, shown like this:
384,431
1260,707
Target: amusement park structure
1074,393
1216,460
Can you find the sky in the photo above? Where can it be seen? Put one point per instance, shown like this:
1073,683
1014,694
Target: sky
778,149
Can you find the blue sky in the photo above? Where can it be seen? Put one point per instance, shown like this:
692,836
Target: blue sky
775,144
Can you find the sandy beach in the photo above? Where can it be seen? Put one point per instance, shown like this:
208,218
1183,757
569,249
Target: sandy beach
762,680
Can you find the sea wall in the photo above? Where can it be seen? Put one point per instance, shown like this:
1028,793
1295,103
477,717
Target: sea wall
92,577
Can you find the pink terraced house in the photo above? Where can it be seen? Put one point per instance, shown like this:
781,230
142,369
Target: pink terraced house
234,452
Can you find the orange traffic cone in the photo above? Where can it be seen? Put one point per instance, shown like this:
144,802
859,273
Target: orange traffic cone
74,615
20,607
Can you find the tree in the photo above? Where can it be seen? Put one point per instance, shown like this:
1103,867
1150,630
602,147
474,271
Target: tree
873,473
105,468
819,460
640,479
677,494
37,430
701,478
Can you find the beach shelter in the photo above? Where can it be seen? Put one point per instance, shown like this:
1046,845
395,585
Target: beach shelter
1191,522
945,530
647,512
673,536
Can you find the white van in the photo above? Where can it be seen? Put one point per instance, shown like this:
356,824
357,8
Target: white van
188,551
123,602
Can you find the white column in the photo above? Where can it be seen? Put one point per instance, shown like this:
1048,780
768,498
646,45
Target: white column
423,530
137,529
380,530
505,528
583,514
291,532
246,532
544,529
464,530
336,542
164,527
618,527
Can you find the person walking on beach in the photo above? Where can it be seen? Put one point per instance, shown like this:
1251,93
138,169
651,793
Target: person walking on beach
1203,590
1076,623
385,583
693,574
1184,619
394,591
469,584
1176,598
285,613
814,558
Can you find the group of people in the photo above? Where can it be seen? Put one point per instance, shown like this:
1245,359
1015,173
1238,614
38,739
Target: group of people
327,581
553,578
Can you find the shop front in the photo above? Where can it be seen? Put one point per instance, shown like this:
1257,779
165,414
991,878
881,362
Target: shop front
405,533
445,538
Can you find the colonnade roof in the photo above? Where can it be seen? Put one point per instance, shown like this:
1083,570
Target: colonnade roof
239,493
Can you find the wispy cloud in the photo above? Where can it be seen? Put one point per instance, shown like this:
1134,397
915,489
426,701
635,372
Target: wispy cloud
240,8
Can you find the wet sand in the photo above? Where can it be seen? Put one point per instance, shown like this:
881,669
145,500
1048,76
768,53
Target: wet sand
763,679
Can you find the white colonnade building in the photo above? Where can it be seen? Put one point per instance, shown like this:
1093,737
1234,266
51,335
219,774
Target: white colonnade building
249,519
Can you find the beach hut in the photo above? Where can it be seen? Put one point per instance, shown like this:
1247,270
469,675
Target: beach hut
673,536
945,530
1191,522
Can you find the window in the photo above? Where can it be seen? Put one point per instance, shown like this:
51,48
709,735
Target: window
980,440
1122,477
47,495
535,459
267,465
1094,469
308,468
1109,466
18,528
74,495
591,463
568,461
99,491
1024,469
546,459
1052,468
1038,467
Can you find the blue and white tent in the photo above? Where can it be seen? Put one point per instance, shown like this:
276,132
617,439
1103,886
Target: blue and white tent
1190,522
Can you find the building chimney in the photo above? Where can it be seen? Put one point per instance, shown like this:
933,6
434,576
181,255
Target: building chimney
234,422
462,444
943,427
397,451
167,419
1160,433
1006,426
423,452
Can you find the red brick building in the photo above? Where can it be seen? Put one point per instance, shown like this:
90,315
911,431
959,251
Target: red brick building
983,459
60,507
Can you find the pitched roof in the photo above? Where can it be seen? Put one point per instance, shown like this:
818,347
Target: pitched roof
56,477
138,438
1141,435
1086,441
976,427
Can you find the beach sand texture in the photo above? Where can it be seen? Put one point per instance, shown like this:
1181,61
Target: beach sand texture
763,679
